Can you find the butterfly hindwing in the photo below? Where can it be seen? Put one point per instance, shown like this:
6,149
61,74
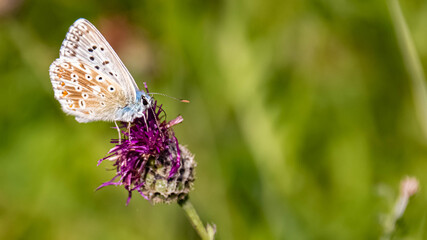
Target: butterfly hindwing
84,92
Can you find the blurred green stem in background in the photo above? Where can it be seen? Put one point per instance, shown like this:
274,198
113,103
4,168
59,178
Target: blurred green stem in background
204,233
412,62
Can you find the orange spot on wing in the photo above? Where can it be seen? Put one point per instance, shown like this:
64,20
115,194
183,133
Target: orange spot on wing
64,93
62,84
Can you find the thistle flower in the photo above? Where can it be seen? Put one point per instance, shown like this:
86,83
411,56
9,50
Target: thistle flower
150,160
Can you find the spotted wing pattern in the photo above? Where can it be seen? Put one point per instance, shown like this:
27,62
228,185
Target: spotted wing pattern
85,43
84,92
89,79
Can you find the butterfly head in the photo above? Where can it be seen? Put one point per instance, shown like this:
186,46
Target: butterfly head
145,102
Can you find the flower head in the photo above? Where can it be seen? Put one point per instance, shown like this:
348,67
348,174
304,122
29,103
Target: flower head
149,159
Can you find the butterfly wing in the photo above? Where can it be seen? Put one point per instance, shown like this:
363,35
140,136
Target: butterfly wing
85,43
84,92
85,53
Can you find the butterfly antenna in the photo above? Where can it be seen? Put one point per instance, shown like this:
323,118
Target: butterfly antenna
179,100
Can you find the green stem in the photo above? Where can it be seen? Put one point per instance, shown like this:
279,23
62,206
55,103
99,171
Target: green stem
412,62
204,233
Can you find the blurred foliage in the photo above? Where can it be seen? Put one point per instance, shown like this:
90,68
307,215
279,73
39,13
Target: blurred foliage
301,118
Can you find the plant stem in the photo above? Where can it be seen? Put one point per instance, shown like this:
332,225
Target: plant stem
204,233
408,187
412,62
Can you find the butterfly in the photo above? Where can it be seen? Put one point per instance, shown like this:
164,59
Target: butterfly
91,82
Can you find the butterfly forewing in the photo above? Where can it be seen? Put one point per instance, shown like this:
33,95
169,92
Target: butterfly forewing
86,44
84,92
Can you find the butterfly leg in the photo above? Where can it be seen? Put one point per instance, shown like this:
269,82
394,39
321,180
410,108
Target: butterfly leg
129,131
145,120
118,130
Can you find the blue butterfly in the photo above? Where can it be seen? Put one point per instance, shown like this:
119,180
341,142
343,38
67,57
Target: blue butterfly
91,82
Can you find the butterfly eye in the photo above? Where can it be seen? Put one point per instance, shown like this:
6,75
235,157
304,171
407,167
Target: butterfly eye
144,101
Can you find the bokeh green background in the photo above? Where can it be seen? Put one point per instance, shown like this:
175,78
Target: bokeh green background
302,119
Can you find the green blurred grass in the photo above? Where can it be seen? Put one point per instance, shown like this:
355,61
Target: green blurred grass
302,120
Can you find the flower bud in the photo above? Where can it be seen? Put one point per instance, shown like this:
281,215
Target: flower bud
160,188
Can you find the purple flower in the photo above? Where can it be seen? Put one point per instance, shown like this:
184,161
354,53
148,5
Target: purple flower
148,159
